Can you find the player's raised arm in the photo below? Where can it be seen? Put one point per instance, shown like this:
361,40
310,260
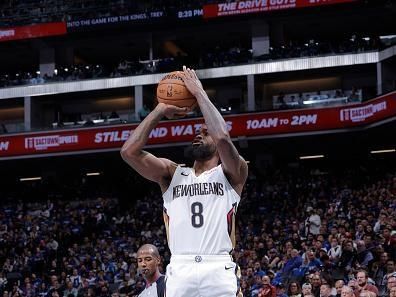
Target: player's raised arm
234,165
159,170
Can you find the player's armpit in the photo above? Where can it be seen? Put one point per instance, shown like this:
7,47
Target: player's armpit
156,169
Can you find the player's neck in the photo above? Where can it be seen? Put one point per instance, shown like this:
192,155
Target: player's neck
202,166
153,279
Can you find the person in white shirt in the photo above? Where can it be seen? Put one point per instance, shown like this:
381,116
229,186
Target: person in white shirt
313,222
334,252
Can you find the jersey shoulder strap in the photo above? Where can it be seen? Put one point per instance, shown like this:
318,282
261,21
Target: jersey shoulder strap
161,286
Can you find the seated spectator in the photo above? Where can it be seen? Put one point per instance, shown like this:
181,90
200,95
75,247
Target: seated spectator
354,96
280,290
364,257
347,291
326,291
294,290
306,289
334,252
363,285
316,283
294,262
267,290
338,286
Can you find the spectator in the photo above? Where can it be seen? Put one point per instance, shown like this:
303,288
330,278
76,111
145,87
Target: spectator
316,283
313,222
280,290
294,262
334,252
267,290
294,290
379,271
347,291
363,285
306,289
392,292
364,256
391,283
339,285
354,96
70,290
326,291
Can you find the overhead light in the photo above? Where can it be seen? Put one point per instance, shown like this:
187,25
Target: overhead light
93,173
311,157
30,178
387,36
383,151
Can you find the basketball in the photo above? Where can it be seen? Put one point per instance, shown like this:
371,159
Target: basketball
172,90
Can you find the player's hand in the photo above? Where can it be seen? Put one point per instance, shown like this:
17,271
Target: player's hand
171,111
192,81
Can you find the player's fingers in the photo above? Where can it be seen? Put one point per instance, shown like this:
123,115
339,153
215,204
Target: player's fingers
186,71
195,74
189,73
181,109
185,76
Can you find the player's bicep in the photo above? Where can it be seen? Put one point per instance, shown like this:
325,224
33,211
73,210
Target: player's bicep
150,167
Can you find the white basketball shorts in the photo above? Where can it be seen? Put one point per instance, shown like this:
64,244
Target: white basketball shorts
201,276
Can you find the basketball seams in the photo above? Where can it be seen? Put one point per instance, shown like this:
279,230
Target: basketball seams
180,99
176,99
172,83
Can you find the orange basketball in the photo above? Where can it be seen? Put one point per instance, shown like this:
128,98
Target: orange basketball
172,90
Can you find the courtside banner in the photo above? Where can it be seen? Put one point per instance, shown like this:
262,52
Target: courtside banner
32,31
182,131
256,6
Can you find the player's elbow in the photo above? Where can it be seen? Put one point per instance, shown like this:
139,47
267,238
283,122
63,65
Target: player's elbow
128,152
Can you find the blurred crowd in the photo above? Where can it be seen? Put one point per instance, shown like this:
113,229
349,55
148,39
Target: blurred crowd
216,56
312,234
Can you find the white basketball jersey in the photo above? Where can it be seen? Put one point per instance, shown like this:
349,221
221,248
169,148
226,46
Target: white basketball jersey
199,212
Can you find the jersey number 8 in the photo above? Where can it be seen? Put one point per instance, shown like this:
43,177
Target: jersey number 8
197,219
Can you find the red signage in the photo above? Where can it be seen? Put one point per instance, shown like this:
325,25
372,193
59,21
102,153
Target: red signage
32,31
181,131
255,6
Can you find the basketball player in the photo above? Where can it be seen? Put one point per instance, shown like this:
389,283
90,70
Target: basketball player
148,262
199,202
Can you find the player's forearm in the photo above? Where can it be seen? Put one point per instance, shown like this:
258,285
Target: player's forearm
139,137
217,127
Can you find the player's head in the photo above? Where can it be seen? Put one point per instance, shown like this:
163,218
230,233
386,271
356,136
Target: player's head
148,260
203,146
